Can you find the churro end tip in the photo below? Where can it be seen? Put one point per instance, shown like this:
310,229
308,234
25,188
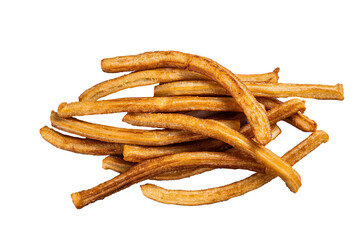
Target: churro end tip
77,200
340,90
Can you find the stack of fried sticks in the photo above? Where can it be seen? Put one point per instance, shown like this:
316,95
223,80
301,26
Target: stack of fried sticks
210,118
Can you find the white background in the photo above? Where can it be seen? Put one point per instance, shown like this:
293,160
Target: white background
50,53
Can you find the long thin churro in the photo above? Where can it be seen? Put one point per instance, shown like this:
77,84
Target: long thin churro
128,136
256,115
279,90
218,194
135,153
153,167
278,112
116,163
148,104
149,77
221,132
80,145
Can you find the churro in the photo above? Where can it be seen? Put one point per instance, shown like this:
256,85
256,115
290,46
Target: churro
217,130
127,136
278,90
223,193
255,113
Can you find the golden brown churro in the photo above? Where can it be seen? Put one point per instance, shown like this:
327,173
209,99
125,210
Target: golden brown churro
148,104
256,115
153,167
278,112
116,163
127,136
280,90
149,77
221,132
134,153
218,194
80,145
210,118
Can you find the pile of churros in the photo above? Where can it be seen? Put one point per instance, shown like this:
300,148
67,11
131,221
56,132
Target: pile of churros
204,117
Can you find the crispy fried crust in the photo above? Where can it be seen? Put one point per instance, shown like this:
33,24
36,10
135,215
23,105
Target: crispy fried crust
279,90
80,145
221,132
256,115
223,193
149,77
153,167
127,136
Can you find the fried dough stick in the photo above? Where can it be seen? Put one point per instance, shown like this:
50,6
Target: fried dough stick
127,136
149,77
255,113
153,167
135,153
80,145
218,194
298,120
148,104
152,104
117,163
221,132
279,90
278,112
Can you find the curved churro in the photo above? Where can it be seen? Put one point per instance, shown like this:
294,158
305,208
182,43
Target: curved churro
256,115
149,77
279,90
127,136
116,163
153,167
80,145
221,132
135,153
218,194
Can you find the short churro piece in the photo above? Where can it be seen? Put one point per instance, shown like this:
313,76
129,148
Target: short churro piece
134,153
256,115
80,145
218,194
298,120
